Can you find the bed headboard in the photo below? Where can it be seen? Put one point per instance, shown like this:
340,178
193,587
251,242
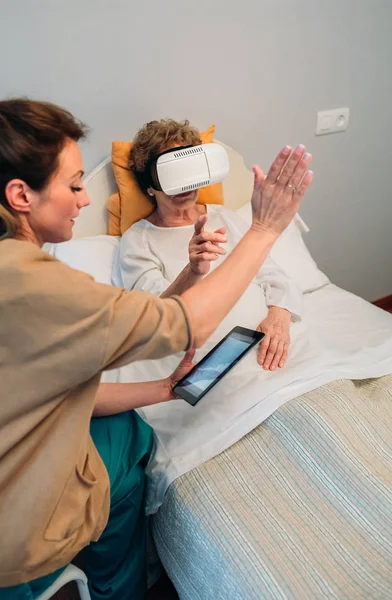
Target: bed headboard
100,184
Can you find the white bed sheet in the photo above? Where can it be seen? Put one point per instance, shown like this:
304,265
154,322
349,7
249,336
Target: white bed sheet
341,337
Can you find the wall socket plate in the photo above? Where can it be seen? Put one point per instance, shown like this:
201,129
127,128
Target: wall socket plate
332,121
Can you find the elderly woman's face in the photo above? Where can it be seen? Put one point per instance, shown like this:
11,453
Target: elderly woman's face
184,201
54,210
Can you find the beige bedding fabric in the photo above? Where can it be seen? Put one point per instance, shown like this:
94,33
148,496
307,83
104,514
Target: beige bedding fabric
299,509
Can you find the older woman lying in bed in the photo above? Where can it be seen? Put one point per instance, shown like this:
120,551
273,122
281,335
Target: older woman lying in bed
172,250
334,340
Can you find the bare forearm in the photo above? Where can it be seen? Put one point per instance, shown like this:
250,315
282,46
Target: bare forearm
113,398
185,280
211,299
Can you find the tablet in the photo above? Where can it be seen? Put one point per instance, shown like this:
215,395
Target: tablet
223,357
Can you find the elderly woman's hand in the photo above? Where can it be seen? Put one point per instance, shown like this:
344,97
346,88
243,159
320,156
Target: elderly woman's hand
204,247
277,196
274,347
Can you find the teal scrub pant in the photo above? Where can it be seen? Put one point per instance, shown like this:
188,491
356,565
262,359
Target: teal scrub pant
116,564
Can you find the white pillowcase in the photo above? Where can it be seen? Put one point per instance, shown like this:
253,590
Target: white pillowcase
291,254
92,255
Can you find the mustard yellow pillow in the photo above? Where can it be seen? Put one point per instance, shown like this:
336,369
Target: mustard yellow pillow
130,204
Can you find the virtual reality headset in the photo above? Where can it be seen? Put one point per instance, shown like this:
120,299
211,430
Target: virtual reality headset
187,168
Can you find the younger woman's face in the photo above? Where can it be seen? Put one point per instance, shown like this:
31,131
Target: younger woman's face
54,210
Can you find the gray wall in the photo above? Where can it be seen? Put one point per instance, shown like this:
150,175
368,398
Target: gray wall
258,69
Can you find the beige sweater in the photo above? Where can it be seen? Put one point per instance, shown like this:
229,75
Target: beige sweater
58,330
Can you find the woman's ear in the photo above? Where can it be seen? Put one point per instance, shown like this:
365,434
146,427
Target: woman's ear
19,195
150,191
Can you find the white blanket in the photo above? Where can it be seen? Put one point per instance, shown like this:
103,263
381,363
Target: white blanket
341,337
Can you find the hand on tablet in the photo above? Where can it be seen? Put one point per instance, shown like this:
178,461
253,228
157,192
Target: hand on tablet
183,369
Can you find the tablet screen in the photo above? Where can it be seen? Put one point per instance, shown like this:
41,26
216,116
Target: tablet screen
215,365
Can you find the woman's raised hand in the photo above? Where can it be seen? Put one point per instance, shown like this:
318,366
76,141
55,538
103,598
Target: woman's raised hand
277,196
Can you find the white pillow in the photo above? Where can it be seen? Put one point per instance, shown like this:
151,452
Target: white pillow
92,255
95,255
291,254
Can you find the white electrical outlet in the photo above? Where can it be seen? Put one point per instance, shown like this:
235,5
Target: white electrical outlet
332,121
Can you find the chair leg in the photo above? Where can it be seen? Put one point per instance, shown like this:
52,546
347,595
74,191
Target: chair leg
83,589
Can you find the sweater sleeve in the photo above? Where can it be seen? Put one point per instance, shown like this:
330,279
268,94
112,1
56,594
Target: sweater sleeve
75,327
137,267
279,289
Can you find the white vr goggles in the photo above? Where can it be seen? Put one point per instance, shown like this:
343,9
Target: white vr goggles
186,169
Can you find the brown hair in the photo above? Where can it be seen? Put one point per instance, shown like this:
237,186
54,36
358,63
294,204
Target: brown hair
156,137
32,135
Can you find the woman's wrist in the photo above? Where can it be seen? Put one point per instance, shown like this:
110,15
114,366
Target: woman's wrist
114,398
283,313
185,280
167,389
194,274
261,229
